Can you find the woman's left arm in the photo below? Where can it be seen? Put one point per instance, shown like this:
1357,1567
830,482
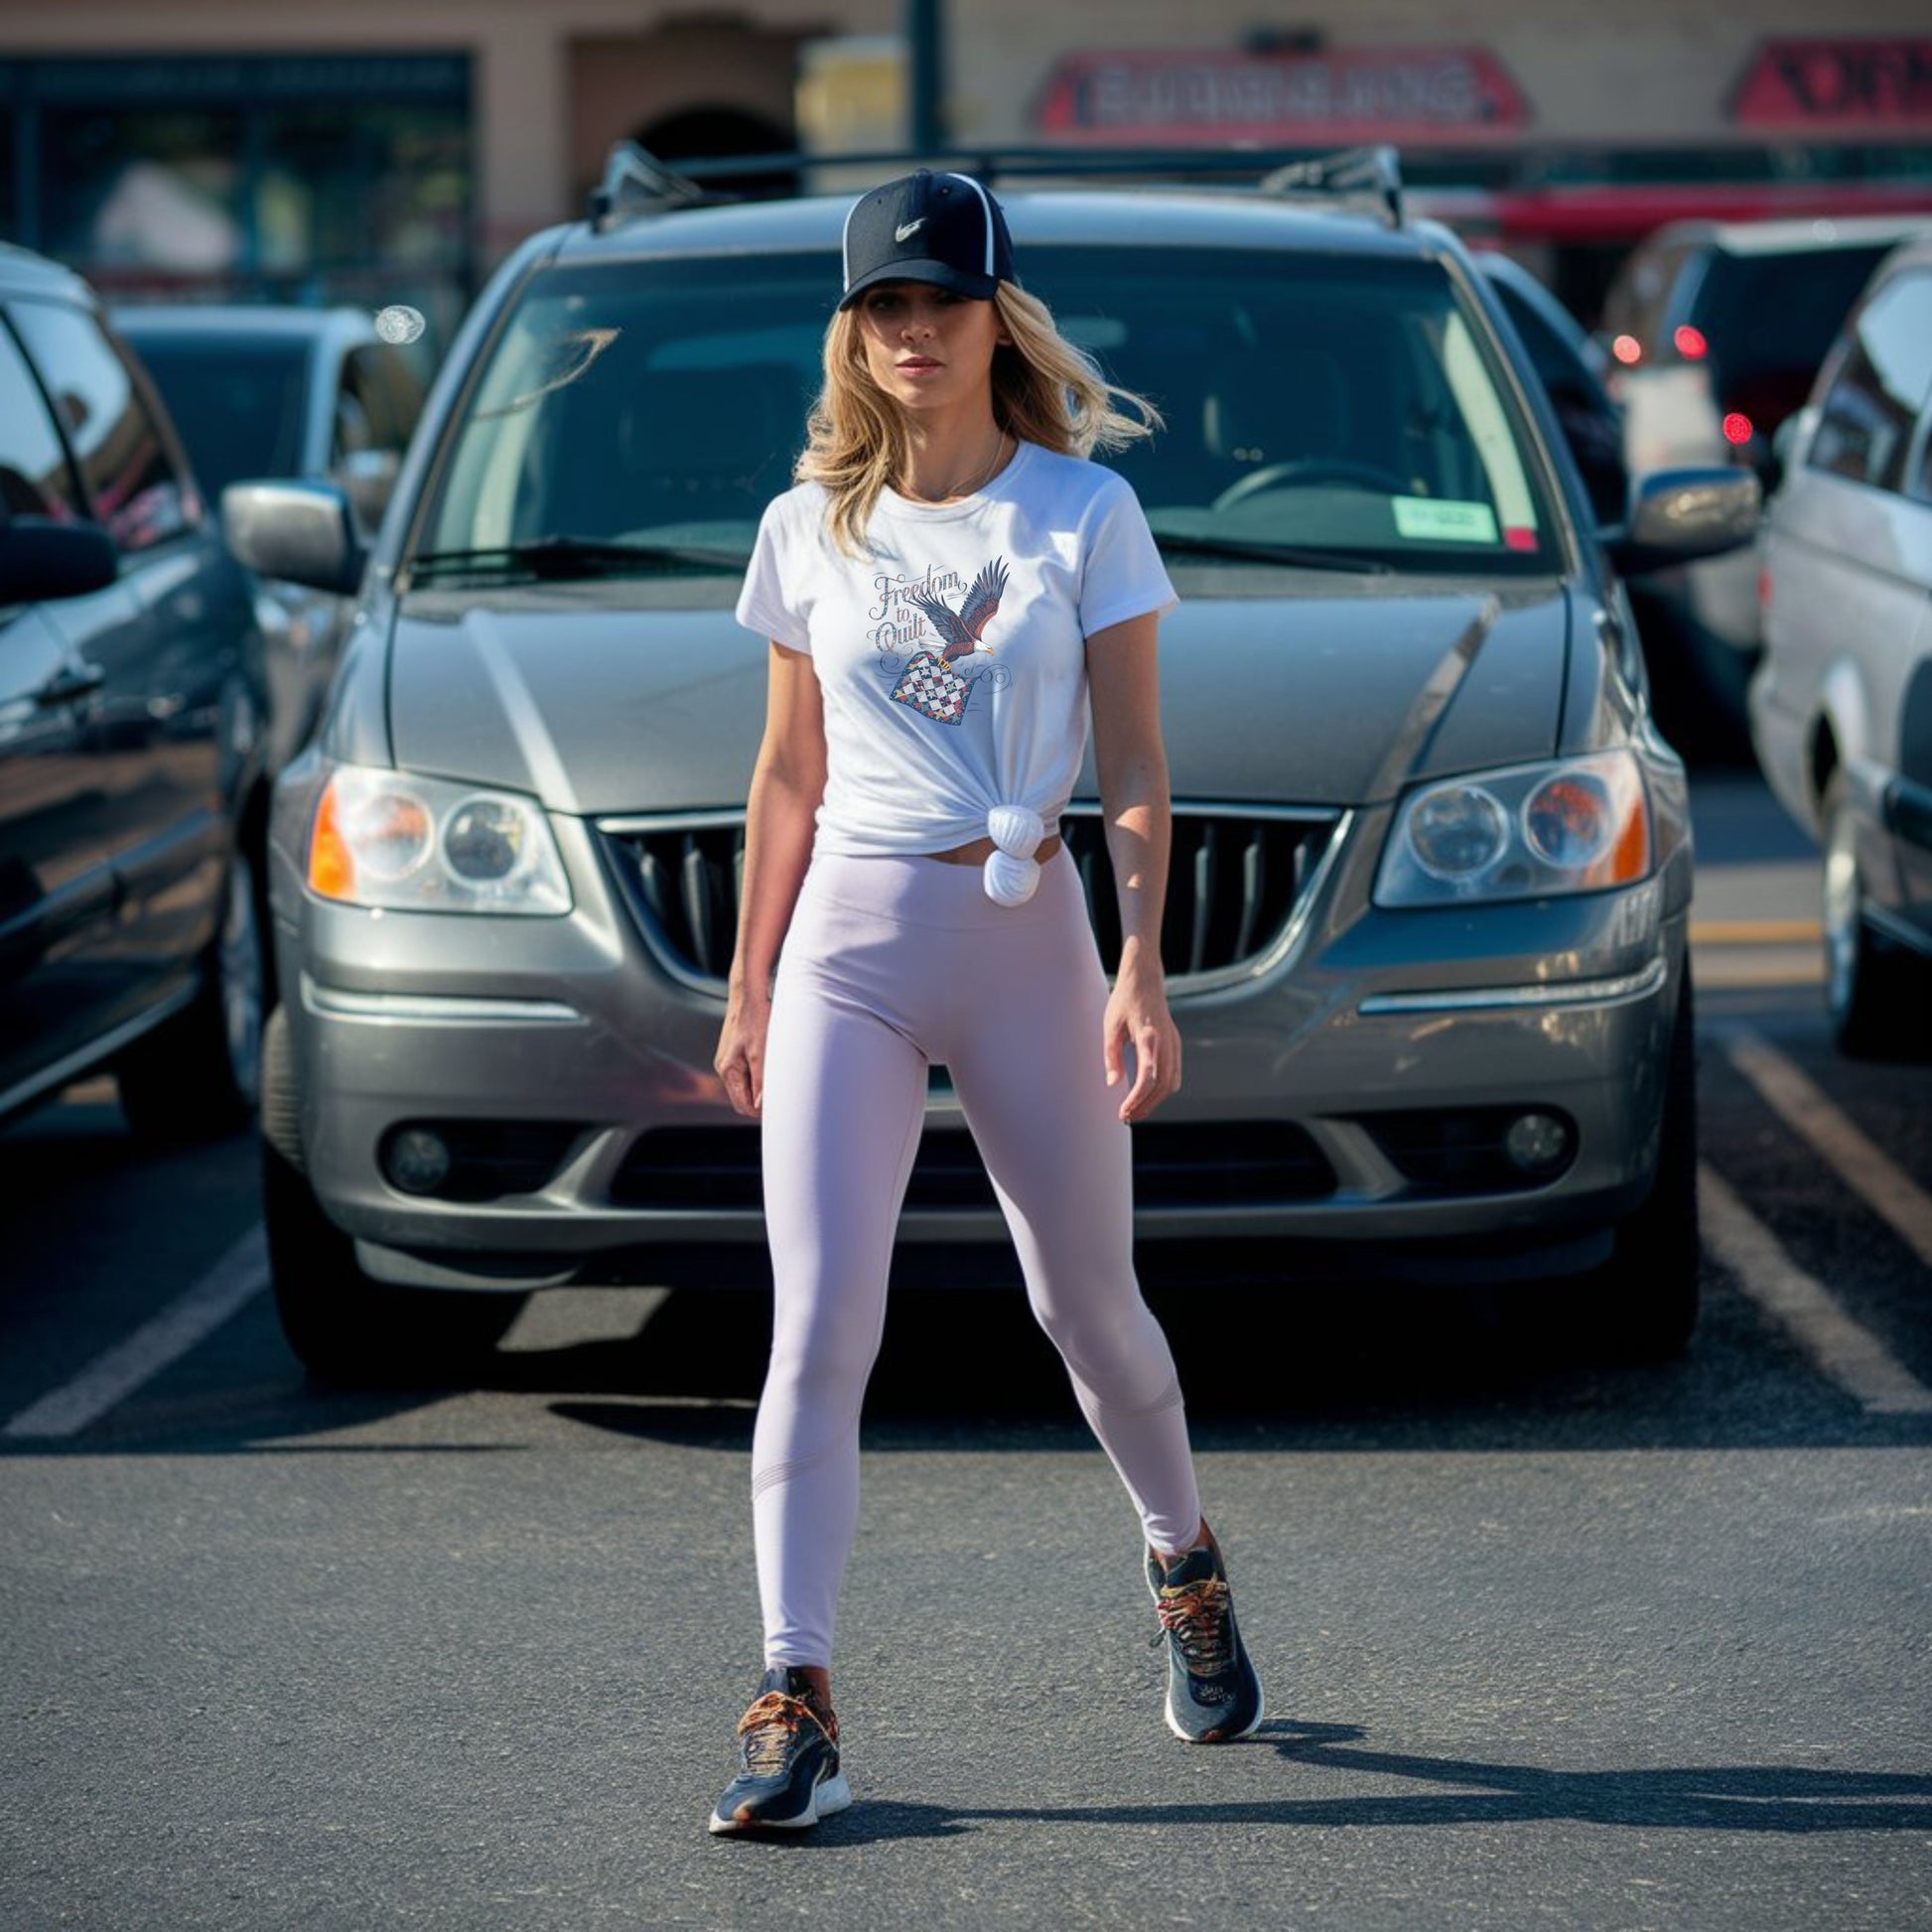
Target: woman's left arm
1132,764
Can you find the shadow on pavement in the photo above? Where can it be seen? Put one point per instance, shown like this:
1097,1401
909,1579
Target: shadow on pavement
1768,1798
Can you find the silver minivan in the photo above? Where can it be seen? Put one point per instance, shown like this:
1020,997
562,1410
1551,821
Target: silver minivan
1432,864
1841,706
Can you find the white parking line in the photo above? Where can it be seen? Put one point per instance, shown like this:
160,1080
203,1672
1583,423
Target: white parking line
1866,1169
239,1276
1844,1349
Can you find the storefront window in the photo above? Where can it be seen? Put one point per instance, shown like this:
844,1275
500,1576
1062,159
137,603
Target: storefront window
336,187
143,190
309,179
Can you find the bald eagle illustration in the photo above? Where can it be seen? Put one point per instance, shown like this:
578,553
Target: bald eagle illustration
962,629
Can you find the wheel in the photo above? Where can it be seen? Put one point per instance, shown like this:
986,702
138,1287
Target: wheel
1309,470
1648,1290
344,1326
198,1074
1875,991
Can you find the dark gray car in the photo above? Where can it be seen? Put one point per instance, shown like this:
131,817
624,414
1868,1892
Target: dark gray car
1425,930
134,725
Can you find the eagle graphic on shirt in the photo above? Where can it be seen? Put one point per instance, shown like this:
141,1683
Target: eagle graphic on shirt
939,685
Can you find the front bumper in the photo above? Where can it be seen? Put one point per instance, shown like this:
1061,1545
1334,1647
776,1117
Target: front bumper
1562,1006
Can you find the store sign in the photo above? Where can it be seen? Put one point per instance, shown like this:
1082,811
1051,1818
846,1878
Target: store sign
1288,99
1857,83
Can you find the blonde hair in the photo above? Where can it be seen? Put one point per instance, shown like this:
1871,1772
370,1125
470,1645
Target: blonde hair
1045,390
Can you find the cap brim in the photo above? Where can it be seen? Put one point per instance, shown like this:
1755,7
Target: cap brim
980,288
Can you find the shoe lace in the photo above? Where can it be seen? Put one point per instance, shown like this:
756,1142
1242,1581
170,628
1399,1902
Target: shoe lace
770,1726
1195,1616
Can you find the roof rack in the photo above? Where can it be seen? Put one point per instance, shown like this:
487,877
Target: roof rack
636,182
1369,175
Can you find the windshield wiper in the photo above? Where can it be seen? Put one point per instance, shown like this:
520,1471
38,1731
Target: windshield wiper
567,557
1255,551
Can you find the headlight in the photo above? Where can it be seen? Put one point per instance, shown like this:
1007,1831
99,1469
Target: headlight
1574,826
425,845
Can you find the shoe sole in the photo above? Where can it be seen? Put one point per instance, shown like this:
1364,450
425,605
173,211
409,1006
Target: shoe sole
830,1795
1234,1737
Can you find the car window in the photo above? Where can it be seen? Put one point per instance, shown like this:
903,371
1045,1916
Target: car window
1637,299
1918,480
382,397
1864,425
238,405
130,482
1555,360
1326,401
1768,321
35,477
1588,417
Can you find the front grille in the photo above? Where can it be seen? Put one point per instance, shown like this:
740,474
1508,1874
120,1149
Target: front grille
1178,1164
1237,876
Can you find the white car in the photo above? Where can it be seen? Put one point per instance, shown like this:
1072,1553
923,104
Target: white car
1716,331
1841,706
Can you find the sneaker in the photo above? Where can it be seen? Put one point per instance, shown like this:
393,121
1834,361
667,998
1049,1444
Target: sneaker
788,1754
1213,1693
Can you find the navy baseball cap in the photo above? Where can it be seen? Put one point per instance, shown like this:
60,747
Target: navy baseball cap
926,227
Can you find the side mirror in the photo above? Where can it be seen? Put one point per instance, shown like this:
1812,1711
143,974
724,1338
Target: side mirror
42,559
368,477
1678,516
303,533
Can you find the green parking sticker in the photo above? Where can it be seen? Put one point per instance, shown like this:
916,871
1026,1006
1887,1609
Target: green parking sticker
1440,521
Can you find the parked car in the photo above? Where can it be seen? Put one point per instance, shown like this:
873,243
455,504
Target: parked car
1716,331
1842,705
1432,864
259,390
133,712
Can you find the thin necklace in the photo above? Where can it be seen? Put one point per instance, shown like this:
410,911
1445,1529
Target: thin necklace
965,490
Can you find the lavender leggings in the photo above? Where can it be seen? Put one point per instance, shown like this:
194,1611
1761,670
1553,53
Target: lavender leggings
891,962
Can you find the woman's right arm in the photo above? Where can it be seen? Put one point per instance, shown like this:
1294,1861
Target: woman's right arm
787,784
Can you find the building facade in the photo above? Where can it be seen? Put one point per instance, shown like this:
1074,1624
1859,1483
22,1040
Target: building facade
393,150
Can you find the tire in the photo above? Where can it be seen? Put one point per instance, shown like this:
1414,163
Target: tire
198,1075
343,1326
1648,1289
1875,991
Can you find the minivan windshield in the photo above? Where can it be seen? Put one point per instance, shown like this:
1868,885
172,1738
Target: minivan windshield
1320,409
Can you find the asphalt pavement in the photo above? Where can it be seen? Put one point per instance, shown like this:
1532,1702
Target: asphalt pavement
1547,1641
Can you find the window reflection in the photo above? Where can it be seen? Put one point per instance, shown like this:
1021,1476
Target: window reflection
131,484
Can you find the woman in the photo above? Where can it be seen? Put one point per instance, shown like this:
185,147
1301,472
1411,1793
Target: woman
946,590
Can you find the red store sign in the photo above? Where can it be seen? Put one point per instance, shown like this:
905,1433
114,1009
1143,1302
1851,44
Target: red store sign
1287,99
1849,83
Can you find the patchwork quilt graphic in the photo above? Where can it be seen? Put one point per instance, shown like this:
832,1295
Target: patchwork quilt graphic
932,685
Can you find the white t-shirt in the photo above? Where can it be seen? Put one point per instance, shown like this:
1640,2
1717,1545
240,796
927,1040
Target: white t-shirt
952,657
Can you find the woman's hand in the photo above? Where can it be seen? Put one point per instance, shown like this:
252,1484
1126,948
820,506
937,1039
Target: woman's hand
739,1059
1137,1010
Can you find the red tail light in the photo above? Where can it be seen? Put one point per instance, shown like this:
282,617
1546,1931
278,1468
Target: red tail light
1737,427
1627,350
1690,341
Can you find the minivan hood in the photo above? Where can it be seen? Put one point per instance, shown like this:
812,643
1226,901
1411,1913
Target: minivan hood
596,705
